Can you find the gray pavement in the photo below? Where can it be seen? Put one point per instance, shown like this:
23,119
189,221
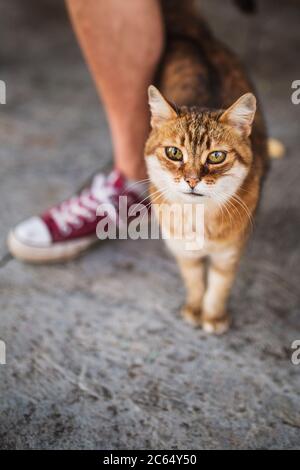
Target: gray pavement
97,354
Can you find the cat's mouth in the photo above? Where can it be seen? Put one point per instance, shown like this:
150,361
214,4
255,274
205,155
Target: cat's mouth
193,193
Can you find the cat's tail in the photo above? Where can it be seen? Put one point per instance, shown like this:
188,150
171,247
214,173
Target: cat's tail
247,6
276,148
182,19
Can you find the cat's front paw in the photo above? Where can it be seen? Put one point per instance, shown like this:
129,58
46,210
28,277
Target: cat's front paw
192,314
216,326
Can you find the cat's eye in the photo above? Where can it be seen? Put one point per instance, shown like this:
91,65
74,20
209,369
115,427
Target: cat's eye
174,153
217,156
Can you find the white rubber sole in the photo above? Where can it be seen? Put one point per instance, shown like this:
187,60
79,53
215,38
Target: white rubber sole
57,252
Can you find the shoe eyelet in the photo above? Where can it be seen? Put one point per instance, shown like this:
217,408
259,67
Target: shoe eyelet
67,231
79,225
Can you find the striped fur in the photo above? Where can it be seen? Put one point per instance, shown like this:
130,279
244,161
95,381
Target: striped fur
200,111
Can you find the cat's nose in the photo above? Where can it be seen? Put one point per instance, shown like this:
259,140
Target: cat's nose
192,181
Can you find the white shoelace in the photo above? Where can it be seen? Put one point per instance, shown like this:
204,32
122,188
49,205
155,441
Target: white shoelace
84,206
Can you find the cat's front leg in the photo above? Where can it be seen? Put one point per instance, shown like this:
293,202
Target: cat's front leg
220,277
192,271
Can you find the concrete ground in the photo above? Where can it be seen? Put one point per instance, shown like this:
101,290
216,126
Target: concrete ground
97,355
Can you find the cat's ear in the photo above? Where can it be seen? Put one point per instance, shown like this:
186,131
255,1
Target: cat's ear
160,108
241,114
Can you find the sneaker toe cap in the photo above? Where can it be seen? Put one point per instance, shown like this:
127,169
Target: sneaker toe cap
34,232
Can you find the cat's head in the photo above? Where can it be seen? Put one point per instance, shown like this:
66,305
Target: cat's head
195,155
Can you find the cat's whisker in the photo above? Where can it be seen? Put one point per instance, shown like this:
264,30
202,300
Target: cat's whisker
161,192
244,190
243,206
246,208
222,200
229,214
149,196
131,185
240,188
219,201
219,204
149,204
232,206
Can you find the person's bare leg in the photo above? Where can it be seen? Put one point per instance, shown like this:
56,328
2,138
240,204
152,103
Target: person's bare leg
122,42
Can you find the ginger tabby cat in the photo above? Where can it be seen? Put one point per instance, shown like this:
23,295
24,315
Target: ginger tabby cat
207,145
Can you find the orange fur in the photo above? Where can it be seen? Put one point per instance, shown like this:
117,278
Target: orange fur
229,190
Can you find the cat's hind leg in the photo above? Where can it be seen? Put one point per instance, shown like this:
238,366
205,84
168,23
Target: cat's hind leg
220,277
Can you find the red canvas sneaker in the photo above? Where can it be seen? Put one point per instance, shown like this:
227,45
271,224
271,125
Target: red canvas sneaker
65,230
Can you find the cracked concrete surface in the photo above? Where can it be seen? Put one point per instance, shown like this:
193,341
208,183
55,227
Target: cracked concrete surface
97,355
